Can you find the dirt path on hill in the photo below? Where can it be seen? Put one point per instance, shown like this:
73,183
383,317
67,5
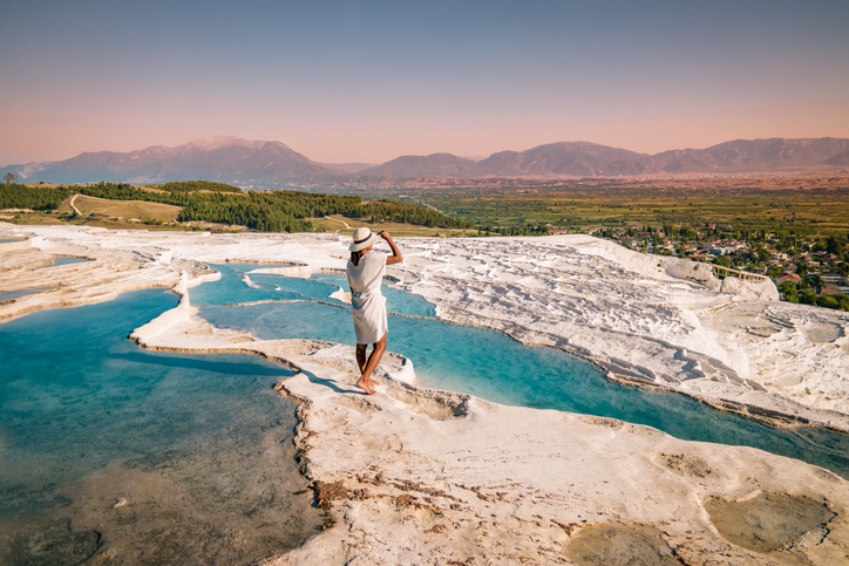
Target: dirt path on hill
347,226
73,205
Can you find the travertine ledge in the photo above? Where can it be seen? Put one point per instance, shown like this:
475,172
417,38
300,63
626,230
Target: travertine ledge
631,314
417,476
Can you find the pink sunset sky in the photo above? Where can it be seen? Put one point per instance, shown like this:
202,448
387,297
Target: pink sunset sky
344,82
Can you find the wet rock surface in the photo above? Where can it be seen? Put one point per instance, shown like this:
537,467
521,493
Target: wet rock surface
620,545
58,544
769,521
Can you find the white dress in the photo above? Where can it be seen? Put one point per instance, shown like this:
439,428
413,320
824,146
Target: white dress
369,305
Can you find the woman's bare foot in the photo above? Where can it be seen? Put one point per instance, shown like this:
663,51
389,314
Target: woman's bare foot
366,385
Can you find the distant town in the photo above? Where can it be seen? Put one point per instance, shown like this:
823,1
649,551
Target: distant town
805,270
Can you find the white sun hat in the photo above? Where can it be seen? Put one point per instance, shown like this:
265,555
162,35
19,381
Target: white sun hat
363,238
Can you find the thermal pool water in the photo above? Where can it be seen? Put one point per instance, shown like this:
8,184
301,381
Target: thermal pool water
108,450
491,365
140,457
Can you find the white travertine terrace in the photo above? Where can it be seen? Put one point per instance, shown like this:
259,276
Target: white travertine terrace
418,476
635,315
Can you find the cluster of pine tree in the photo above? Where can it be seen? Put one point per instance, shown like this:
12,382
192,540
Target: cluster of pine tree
393,211
265,211
244,212
34,198
123,191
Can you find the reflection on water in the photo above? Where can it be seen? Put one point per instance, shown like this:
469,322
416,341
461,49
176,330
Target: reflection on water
140,457
492,366
6,295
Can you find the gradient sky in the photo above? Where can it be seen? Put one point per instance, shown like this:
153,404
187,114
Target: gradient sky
368,81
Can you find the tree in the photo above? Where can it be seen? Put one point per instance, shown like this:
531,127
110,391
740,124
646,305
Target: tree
722,260
814,280
788,289
808,296
10,178
838,301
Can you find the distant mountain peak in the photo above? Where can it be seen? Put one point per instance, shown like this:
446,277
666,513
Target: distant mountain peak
212,143
227,159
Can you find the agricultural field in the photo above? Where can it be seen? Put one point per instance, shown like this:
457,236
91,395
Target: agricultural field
815,213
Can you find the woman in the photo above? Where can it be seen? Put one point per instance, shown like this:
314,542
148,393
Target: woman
365,273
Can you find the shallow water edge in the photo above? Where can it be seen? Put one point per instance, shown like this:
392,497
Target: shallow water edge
132,456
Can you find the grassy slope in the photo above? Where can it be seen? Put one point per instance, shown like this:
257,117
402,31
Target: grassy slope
123,209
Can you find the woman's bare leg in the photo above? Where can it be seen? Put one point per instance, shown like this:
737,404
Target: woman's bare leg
376,354
366,382
361,357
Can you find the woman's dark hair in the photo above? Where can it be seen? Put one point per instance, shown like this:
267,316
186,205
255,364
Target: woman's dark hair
355,257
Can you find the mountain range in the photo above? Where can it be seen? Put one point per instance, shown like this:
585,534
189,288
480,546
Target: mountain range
226,159
272,164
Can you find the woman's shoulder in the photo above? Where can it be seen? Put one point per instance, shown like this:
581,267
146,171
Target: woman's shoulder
376,259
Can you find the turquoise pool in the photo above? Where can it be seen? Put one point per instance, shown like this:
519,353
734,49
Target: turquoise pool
67,260
109,450
6,295
495,367
151,458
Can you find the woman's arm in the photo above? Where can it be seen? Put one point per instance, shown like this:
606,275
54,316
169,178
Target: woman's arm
396,256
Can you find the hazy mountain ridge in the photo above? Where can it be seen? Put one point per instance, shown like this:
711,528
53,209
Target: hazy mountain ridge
225,159
739,156
273,164
582,159
585,159
433,165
